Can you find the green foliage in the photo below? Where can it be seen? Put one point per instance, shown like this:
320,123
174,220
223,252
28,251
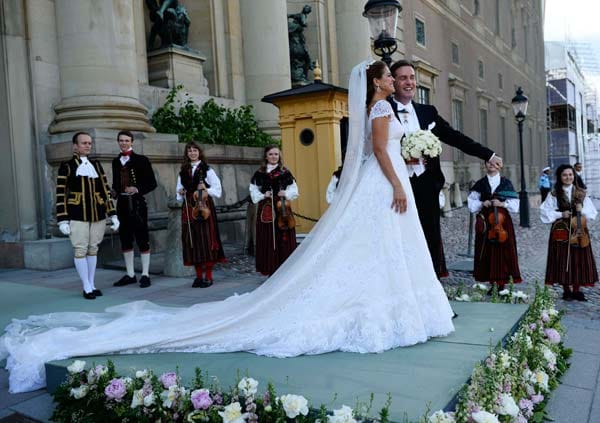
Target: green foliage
209,123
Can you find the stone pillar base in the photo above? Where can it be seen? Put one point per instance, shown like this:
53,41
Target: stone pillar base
171,66
173,253
105,112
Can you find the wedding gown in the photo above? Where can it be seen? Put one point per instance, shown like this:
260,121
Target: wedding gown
364,283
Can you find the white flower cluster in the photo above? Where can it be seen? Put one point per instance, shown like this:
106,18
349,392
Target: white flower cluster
420,143
441,417
248,386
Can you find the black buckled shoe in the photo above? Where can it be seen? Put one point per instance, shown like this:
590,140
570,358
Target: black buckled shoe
567,296
89,295
145,282
125,280
198,282
97,292
578,296
206,283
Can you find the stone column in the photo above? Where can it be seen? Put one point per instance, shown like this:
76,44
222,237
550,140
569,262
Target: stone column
98,67
266,56
353,36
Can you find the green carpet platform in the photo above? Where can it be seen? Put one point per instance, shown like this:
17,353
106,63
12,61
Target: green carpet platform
418,376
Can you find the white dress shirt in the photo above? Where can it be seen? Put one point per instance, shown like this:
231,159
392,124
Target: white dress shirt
410,123
474,200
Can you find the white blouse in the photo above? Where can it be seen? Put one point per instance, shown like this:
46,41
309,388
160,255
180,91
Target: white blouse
549,209
212,179
474,200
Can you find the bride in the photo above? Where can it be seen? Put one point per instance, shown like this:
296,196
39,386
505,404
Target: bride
362,281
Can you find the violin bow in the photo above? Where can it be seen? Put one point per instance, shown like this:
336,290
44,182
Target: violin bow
273,218
187,212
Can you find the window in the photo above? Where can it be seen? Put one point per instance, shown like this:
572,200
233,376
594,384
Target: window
423,95
500,81
476,8
483,127
455,55
457,115
420,31
480,69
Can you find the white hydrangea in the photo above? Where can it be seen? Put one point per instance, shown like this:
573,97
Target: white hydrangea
441,417
248,386
80,392
549,355
342,415
507,406
141,374
76,367
484,417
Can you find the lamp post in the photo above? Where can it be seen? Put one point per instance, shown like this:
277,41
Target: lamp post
383,21
519,103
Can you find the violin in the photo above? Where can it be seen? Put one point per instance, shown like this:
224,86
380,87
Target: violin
580,237
496,232
200,209
285,217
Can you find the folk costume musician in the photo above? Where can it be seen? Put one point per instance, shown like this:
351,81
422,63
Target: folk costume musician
271,184
133,178
493,198
570,260
197,185
82,205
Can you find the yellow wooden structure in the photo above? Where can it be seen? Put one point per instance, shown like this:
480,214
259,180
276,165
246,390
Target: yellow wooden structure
310,118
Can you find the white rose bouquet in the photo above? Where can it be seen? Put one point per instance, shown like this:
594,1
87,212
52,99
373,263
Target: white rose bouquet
419,144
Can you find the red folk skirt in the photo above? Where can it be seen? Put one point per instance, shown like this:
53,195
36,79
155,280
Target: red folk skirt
204,246
270,255
495,262
582,265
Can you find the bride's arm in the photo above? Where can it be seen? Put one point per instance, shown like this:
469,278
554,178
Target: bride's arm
380,127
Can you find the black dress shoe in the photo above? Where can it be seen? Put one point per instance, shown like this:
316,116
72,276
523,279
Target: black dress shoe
578,296
198,283
97,292
125,280
206,283
145,282
89,295
454,316
567,296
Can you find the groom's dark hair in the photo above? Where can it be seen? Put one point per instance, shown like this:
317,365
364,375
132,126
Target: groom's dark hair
399,64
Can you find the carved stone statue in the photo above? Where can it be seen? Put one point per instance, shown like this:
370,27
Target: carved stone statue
300,62
170,22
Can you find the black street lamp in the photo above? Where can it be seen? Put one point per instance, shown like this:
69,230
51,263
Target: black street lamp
383,20
519,103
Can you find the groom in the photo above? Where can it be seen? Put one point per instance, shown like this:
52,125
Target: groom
427,178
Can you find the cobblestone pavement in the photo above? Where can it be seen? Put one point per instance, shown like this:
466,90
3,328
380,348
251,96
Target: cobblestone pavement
532,245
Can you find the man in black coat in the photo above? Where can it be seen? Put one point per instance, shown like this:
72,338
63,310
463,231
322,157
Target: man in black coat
133,178
426,177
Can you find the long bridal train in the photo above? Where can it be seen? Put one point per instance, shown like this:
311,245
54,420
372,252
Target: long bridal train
361,282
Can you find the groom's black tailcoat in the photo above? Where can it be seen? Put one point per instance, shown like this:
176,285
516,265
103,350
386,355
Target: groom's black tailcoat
427,186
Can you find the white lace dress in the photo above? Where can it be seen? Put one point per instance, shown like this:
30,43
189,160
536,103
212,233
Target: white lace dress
370,286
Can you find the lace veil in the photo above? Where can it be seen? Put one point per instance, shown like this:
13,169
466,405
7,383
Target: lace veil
355,151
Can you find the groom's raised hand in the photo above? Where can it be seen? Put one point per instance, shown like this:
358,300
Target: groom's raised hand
497,161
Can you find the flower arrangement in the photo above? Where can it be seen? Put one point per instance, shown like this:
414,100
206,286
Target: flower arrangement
420,143
480,292
512,384
99,395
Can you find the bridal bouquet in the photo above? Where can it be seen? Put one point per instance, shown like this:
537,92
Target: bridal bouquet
421,143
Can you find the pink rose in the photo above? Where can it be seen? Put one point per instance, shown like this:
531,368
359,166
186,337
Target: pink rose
201,399
168,379
115,390
552,335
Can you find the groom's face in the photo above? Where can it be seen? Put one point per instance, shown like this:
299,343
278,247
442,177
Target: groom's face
405,84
